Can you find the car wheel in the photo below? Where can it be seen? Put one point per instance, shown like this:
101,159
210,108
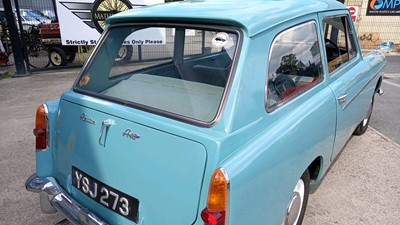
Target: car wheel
124,54
57,57
71,57
363,126
298,202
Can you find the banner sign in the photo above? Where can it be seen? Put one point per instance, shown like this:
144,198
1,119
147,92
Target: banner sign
82,21
383,8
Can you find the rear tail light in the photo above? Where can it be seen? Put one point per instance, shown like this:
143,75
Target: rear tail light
217,203
41,128
213,218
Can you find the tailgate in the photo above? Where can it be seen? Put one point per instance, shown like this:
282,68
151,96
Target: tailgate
127,171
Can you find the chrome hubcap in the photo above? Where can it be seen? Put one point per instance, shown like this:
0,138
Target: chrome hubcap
55,58
365,122
294,208
122,53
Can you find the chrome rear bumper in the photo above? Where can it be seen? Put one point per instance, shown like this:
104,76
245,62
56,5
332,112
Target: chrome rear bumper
56,197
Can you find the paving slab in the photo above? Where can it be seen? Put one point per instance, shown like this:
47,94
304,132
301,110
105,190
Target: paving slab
362,187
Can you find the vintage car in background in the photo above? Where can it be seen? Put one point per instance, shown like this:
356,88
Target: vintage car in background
232,112
29,18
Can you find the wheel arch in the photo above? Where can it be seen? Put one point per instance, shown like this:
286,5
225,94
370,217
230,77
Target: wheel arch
378,85
315,168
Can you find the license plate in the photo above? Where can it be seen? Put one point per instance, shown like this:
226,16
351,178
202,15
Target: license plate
111,198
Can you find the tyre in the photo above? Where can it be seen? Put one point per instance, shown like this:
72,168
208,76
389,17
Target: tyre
57,56
38,56
71,57
298,202
124,54
363,126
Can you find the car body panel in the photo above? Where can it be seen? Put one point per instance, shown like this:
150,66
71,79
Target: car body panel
135,150
283,140
166,162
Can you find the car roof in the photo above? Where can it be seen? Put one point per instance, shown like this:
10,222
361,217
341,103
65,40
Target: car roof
251,15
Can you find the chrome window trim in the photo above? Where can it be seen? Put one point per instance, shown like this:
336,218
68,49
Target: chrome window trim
357,56
322,75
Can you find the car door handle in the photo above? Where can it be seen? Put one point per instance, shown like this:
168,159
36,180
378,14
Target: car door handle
105,125
342,99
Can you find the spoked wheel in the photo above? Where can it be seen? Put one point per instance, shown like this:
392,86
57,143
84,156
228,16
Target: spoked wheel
38,57
107,6
363,126
298,202
57,57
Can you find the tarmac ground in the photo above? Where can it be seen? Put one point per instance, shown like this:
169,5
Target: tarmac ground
362,187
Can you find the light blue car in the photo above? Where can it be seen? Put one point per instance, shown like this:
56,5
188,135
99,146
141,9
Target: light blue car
206,112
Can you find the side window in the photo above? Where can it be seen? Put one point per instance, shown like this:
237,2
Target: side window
294,64
339,41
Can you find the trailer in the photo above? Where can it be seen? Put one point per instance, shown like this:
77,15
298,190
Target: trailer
59,55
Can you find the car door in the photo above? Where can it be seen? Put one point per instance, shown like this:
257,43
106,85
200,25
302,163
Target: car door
298,98
347,74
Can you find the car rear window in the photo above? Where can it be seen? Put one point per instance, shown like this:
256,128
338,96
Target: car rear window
177,71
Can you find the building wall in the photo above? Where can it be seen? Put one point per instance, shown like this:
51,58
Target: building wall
373,30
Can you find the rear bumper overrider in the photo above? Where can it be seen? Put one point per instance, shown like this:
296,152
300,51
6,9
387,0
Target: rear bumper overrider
53,197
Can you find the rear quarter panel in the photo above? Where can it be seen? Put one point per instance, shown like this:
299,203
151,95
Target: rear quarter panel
264,170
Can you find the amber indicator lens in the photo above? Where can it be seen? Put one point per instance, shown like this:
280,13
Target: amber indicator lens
215,212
